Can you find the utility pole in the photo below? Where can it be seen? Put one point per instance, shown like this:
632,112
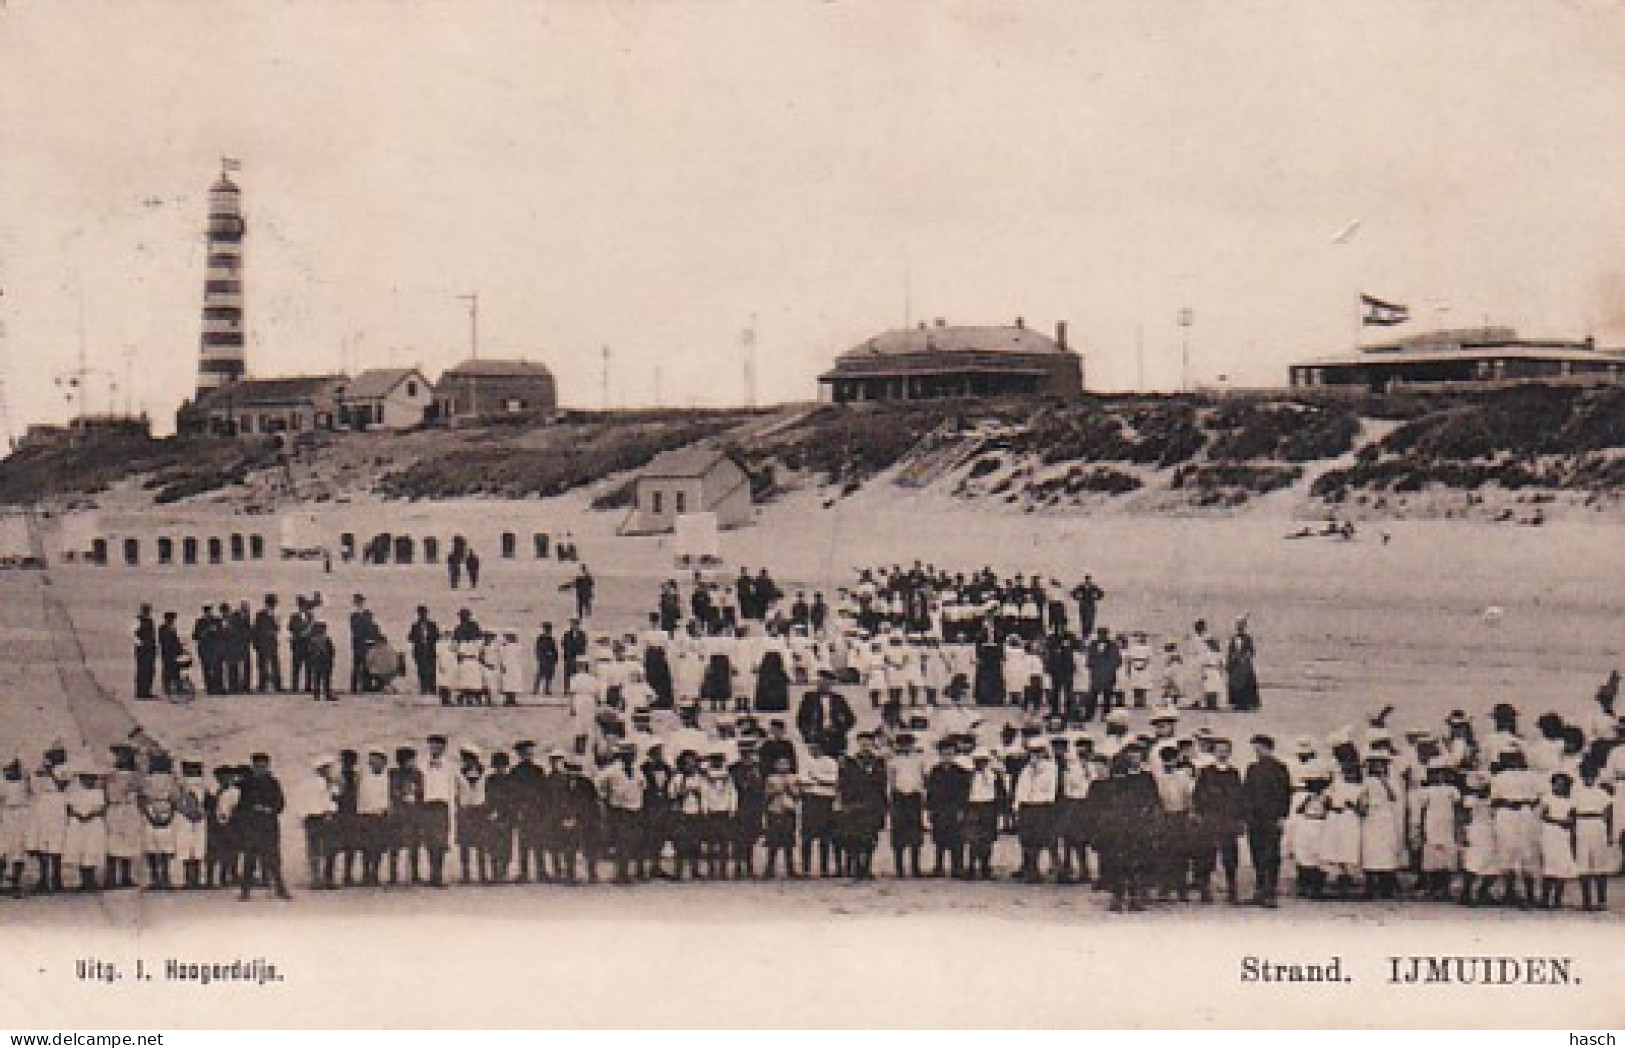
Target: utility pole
473,300
606,379
1187,317
747,340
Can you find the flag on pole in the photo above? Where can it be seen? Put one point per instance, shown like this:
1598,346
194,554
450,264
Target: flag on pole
1378,313
230,163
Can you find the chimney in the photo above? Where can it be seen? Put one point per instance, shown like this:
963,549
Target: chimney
1060,333
941,322
1021,323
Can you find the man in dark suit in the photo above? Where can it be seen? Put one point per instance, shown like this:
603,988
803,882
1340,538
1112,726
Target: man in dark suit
573,647
1266,800
257,824
547,660
1217,805
527,789
825,717
424,637
146,652
361,630
268,661
169,651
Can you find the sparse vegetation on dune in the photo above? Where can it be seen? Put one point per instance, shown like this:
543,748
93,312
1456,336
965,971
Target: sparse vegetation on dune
1204,451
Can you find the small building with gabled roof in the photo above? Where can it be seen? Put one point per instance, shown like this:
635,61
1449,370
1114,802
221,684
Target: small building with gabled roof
388,398
701,478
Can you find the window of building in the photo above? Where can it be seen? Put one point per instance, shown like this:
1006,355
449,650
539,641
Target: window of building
132,552
657,503
541,543
216,551
239,549
166,551
680,501
98,551
189,550
431,550
411,389
510,545
256,547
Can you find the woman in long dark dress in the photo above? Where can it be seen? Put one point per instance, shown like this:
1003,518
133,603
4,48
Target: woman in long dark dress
772,684
989,688
1239,672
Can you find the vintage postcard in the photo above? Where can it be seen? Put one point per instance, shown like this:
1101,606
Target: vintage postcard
722,514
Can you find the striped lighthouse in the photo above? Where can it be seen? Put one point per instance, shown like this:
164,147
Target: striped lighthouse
221,359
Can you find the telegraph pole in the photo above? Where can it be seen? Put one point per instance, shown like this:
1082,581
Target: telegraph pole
606,378
747,341
473,300
1187,317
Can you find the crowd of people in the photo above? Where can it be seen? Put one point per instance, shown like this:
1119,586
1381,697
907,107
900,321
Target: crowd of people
680,760
1510,816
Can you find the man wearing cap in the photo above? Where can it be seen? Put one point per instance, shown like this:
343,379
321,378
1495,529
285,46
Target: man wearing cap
319,656
622,787
1102,658
146,652
372,814
820,779
315,801
1266,800
575,822
500,810
299,630
985,797
527,788
947,789
434,814
361,637
861,798
259,810
905,774
267,658
1037,789
1217,804
405,801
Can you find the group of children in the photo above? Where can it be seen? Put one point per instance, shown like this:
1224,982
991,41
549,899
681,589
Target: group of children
1509,813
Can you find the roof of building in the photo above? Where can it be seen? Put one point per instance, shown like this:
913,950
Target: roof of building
946,339
696,460
378,383
1489,351
497,369
270,392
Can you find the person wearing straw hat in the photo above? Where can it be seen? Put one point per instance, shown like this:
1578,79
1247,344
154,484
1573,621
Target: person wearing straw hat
985,797
434,813
1382,817
316,801
16,817
472,819
191,822
621,785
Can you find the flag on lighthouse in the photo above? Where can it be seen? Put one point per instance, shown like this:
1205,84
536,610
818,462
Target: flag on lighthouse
1378,313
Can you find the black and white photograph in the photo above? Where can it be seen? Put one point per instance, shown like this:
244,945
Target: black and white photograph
680,514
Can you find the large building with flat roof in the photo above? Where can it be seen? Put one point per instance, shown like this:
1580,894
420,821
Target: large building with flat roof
1462,357
935,362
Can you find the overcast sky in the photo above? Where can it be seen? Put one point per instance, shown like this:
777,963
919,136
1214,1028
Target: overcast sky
647,176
